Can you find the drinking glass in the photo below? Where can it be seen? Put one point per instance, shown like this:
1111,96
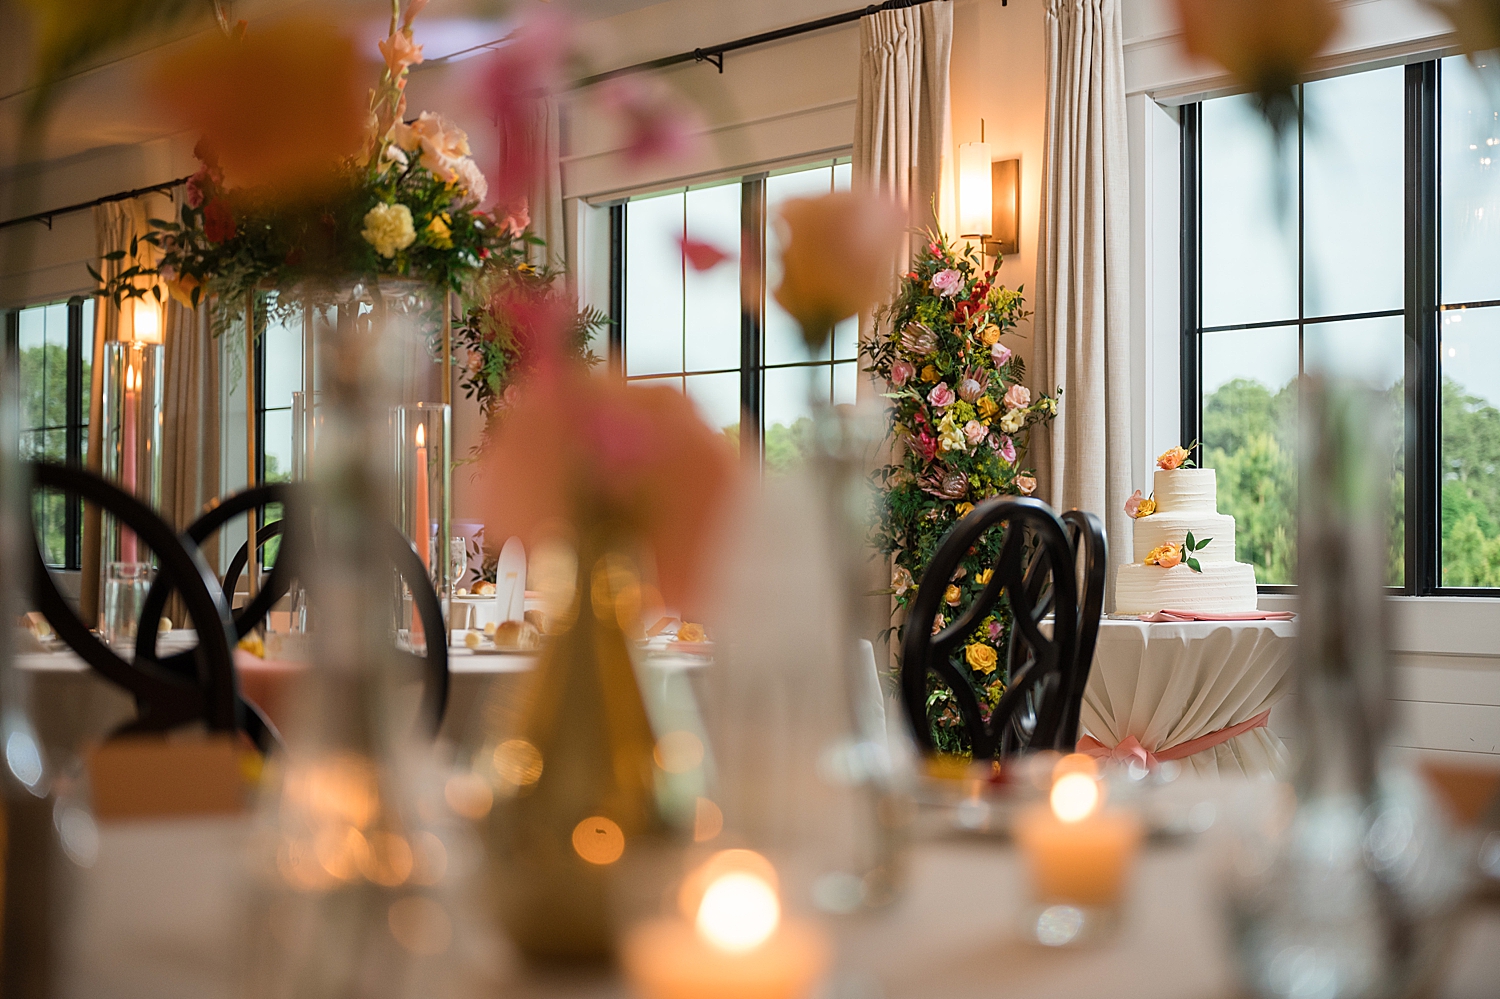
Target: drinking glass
125,588
458,560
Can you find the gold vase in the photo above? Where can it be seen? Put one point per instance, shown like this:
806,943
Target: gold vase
575,784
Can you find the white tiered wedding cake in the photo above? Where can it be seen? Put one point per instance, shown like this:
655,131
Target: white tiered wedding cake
1161,577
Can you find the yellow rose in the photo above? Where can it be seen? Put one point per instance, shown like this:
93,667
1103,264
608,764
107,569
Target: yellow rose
990,335
690,633
987,408
952,595
929,373
1165,556
1171,458
981,658
1146,509
964,509
983,578
438,233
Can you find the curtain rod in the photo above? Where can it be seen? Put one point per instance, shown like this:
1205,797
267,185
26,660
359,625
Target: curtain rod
46,217
715,53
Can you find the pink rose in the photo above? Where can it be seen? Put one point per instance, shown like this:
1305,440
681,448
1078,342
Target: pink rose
902,372
941,395
1000,354
1026,484
947,283
195,187
975,432
1005,447
995,630
1133,503
1017,397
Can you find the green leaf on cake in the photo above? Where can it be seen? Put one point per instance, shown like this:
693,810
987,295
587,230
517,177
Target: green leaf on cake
1188,543
1192,564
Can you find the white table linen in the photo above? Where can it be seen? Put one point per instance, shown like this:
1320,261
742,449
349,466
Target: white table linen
1166,684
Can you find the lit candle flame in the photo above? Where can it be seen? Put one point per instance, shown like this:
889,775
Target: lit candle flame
739,912
1074,797
130,380
421,435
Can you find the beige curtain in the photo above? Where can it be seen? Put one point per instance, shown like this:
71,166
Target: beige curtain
902,128
1082,305
902,134
540,132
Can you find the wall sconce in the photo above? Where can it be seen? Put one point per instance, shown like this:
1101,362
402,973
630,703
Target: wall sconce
989,197
1005,220
146,321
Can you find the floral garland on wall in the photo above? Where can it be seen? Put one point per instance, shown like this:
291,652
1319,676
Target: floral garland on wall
961,419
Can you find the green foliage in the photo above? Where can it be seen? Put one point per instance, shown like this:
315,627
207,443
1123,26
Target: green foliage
1471,489
785,446
960,425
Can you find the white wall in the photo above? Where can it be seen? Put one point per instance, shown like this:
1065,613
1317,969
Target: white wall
1448,649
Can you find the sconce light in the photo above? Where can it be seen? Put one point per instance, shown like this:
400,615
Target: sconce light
975,189
147,321
1005,222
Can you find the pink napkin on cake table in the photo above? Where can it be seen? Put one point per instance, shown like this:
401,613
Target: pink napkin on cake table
1180,615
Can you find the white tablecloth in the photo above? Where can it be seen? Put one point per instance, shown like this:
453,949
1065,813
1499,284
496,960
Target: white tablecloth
1166,684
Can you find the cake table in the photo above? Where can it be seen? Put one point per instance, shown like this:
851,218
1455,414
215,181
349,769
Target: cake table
1159,690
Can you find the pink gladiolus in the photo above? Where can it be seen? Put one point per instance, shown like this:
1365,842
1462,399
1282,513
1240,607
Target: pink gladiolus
941,395
1017,397
1000,354
947,283
902,372
400,52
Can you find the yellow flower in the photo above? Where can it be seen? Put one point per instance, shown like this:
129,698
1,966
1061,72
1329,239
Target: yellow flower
438,233
983,577
963,509
990,335
1171,458
987,408
929,373
389,228
952,595
1146,509
981,658
1165,556
690,632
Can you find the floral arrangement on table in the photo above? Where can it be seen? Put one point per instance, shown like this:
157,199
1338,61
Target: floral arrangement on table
961,419
400,199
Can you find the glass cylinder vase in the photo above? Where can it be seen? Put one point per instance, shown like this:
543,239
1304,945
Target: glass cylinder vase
422,435
131,437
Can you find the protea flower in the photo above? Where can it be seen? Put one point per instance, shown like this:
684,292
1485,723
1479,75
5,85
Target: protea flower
973,384
945,485
918,339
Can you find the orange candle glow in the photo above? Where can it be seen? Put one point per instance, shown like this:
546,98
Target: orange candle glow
1078,851
422,513
737,945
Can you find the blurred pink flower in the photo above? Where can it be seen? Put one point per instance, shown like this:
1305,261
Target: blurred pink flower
1000,354
1133,503
400,52
947,283
941,395
1018,397
701,256
514,218
901,372
658,126
413,8
195,185
520,76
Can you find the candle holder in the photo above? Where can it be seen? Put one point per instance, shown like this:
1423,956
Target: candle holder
1079,855
422,434
130,433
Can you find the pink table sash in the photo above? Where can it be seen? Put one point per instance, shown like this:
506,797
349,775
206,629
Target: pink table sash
1131,749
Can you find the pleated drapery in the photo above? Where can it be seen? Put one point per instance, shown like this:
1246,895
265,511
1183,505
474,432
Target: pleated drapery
536,136
902,127
1082,303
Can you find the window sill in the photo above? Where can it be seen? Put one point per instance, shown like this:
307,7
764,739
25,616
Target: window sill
1453,626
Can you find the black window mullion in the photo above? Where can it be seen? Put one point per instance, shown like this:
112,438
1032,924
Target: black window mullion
617,288
73,505
1192,278
752,315
1423,404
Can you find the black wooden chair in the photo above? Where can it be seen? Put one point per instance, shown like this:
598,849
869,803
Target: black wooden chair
295,530
204,687
1036,572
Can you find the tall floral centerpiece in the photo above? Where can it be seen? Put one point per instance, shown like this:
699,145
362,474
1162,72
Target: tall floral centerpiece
960,420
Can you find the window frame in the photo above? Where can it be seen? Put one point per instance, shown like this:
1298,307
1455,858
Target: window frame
1420,314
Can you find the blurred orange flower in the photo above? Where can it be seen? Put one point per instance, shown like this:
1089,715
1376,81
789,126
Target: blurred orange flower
279,108
1268,45
1476,22
839,258
400,52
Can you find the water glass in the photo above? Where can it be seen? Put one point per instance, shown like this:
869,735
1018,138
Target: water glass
458,560
125,588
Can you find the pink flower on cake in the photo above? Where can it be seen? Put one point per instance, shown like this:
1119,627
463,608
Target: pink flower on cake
1017,397
1026,484
902,372
1133,503
941,395
947,283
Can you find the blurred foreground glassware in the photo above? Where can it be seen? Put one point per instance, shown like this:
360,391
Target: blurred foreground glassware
358,854
32,862
1350,893
125,587
131,434
573,778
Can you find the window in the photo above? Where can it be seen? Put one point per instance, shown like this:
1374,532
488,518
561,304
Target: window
717,334
54,346
1361,247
